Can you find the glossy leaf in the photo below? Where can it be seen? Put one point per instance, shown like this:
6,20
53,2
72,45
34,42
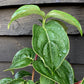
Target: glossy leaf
17,81
5,80
25,11
22,58
66,17
62,24
63,75
54,46
30,82
21,74
44,80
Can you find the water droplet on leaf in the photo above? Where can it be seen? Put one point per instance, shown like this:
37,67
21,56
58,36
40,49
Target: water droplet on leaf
60,55
64,51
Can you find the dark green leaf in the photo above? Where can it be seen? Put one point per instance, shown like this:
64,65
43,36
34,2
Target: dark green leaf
20,63
50,44
17,81
75,80
66,17
5,80
24,53
22,59
30,82
40,20
21,74
25,11
44,80
63,75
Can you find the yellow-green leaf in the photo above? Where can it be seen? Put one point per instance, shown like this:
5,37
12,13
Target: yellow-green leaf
66,17
5,80
25,11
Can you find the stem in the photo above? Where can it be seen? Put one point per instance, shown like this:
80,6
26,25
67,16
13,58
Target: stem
36,57
33,71
43,24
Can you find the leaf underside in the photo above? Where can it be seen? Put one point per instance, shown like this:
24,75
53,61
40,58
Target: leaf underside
66,17
25,11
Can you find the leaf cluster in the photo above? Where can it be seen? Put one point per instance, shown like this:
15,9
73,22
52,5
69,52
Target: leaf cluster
50,42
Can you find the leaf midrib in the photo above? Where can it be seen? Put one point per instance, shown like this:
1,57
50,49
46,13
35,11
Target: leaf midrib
49,43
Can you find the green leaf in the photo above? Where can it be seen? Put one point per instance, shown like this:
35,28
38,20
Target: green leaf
62,24
5,80
25,11
66,17
63,75
17,81
50,44
22,59
30,82
21,74
82,81
44,80
12,71
75,80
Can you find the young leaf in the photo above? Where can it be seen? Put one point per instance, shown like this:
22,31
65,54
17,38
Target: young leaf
25,11
17,81
5,80
66,17
21,74
30,82
44,80
63,75
54,46
22,59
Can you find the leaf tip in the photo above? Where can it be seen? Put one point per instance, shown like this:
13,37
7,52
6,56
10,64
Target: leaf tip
9,25
5,70
11,70
81,32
